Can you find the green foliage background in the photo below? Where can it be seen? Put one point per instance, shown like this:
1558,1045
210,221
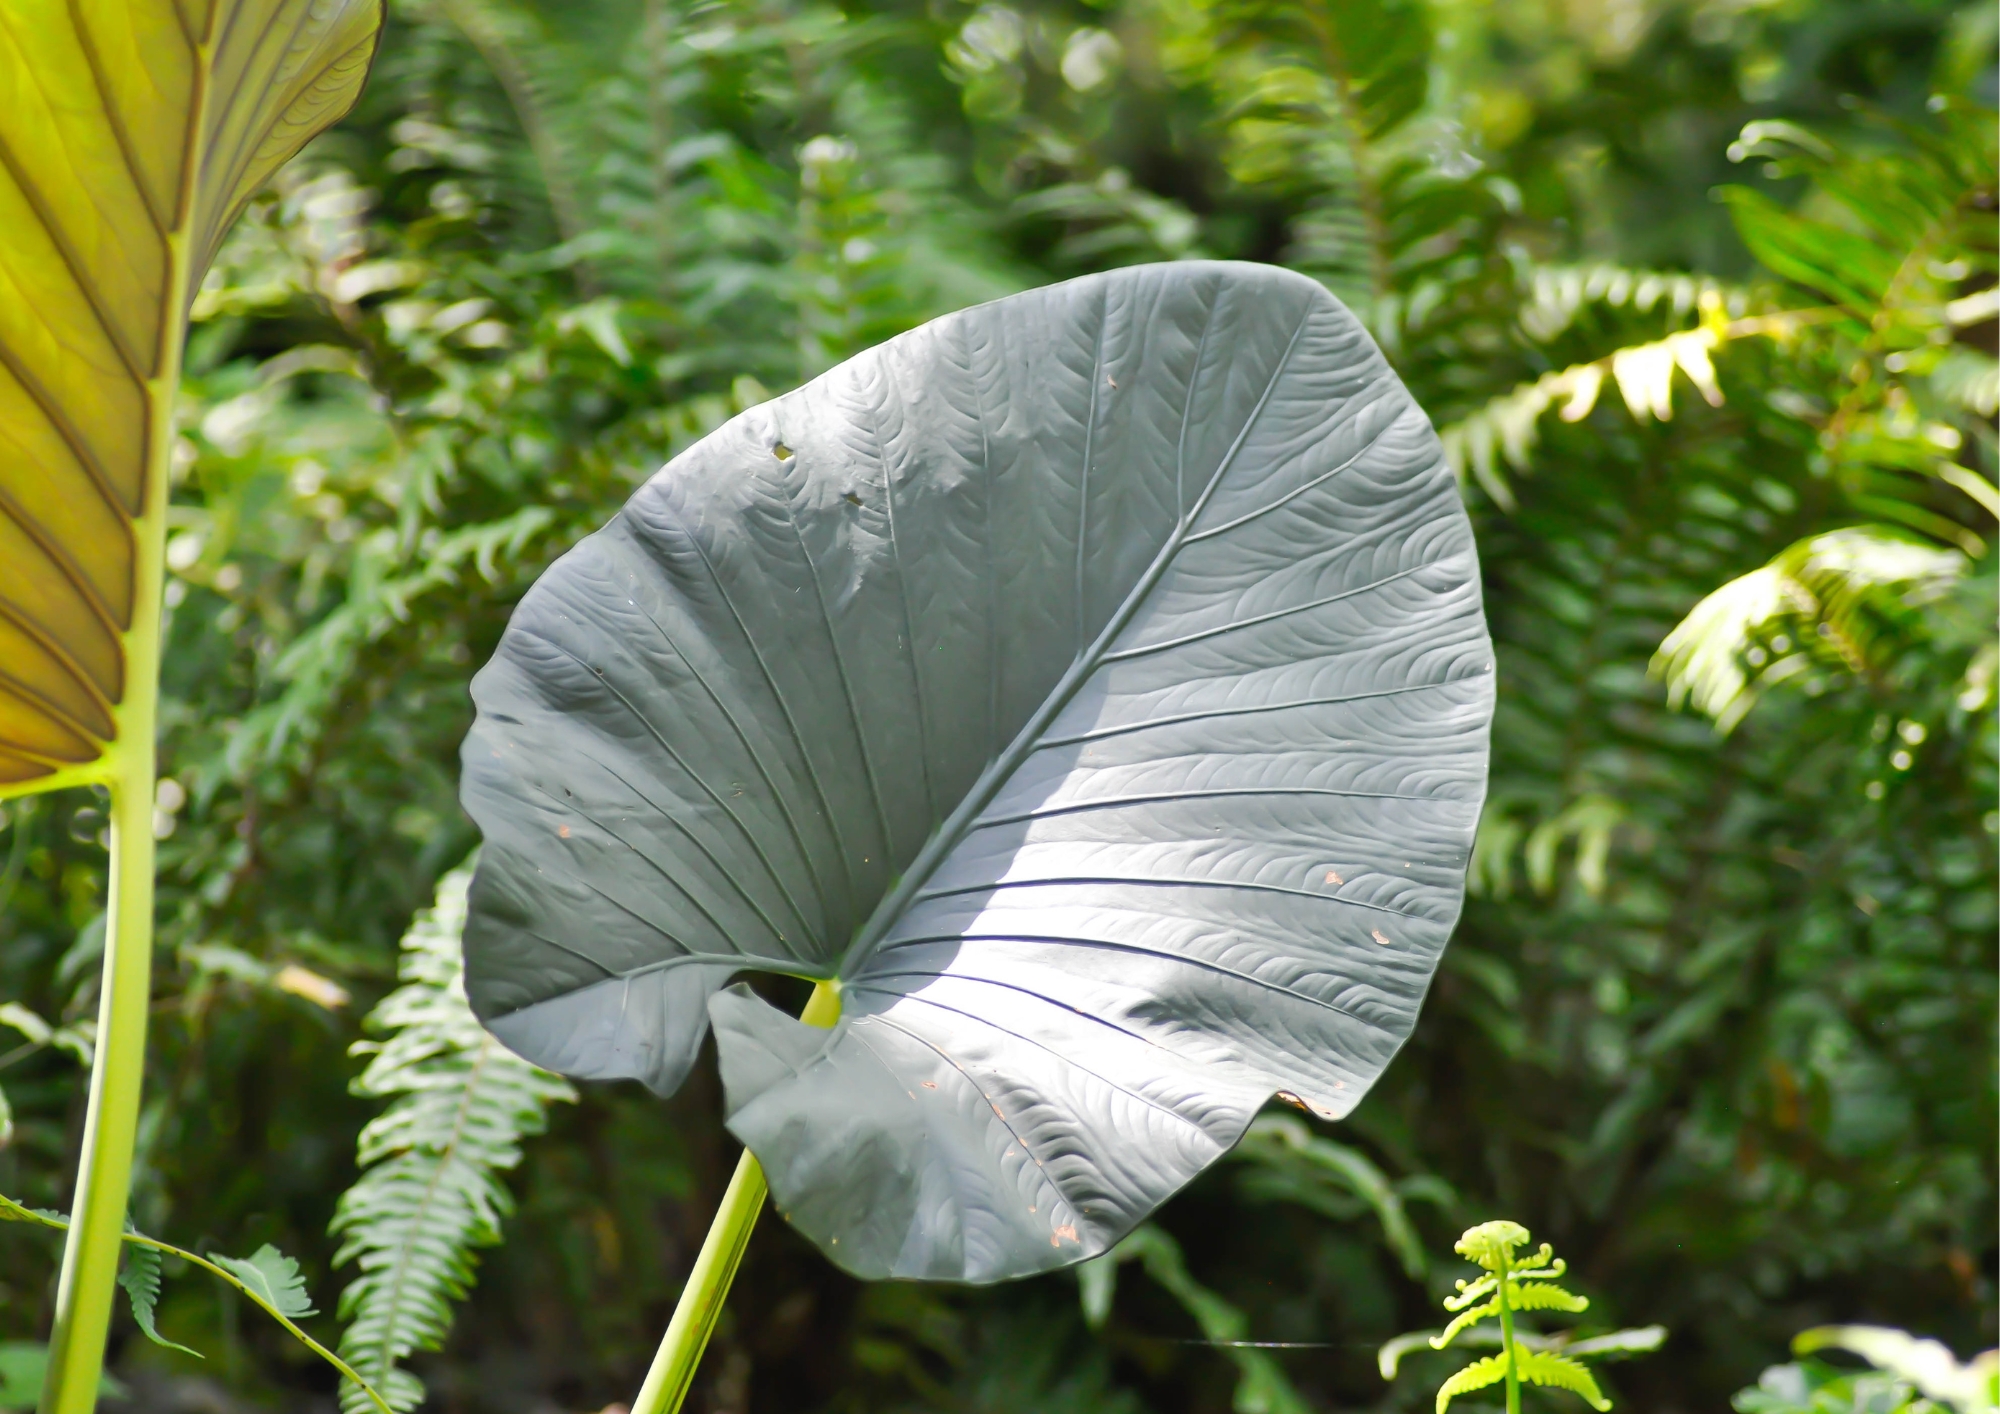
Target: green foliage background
1719,1021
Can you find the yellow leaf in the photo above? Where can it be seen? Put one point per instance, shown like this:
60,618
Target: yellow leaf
132,132
303,982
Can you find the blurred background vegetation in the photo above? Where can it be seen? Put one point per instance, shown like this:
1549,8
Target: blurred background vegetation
1719,1020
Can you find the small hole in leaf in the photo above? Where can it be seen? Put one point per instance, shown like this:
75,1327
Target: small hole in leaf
850,498
781,452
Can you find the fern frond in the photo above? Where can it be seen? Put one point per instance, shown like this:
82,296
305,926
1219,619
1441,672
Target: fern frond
1554,295
1544,1367
1507,428
429,1193
1489,1370
1826,597
140,1277
1492,1245
1471,1315
1471,1291
1513,1285
1543,1296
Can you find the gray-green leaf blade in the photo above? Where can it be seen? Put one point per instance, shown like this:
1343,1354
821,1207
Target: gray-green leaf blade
1093,681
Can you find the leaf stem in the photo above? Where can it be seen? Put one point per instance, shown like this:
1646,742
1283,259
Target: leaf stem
104,1169
279,1316
1507,1334
17,1212
721,1253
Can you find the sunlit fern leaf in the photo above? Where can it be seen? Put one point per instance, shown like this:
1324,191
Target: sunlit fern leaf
1489,1370
429,1193
133,134
1827,599
1545,1367
1541,1296
1470,1316
1555,295
1970,379
1511,1284
1508,427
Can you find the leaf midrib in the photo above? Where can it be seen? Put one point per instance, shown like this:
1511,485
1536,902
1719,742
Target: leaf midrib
996,774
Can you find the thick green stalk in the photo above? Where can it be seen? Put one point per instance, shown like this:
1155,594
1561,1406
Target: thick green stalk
721,1253
110,1127
1507,1337
104,1173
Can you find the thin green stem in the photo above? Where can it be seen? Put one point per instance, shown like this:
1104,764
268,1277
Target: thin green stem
1507,1335
707,1286
17,1212
279,1316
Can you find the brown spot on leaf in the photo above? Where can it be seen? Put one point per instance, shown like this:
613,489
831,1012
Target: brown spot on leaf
563,831
1065,1233
1333,877
930,1084
1376,934
1289,1098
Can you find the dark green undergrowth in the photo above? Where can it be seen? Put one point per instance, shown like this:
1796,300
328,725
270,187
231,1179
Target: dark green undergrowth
1718,1021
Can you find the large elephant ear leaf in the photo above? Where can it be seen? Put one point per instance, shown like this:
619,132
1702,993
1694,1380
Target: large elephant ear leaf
131,134
1092,684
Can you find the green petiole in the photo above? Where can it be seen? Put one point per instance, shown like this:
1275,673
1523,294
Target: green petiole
707,1286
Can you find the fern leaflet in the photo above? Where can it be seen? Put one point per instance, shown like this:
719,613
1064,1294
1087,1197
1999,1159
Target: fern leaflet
1545,1367
140,1276
1478,1375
